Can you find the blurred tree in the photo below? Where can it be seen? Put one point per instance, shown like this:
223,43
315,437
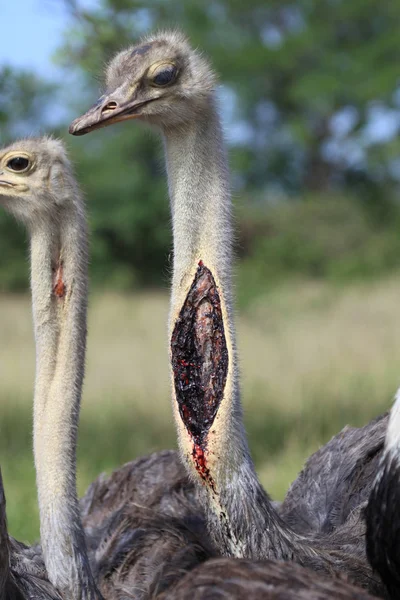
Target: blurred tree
308,88
311,102
128,207
308,77
24,102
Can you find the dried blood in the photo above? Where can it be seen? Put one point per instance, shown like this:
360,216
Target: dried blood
200,462
59,285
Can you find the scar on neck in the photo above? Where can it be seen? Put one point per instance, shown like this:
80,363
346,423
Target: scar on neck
59,287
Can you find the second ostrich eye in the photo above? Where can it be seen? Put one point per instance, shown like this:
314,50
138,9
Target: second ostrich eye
18,163
165,75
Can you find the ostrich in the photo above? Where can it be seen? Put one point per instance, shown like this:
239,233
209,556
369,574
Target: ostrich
144,527
38,187
383,530
164,82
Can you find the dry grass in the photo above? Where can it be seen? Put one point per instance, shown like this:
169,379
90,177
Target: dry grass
313,358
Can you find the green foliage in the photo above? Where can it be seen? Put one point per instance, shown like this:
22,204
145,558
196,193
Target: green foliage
129,432
330,238
128,208
290,70
24,98
290,65
13,255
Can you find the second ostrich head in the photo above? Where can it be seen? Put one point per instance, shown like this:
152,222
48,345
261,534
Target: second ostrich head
35,176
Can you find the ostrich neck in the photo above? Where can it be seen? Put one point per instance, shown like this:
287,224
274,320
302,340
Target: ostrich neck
200,200
59,301
212,440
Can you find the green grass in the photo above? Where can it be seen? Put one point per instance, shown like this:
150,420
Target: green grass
313,358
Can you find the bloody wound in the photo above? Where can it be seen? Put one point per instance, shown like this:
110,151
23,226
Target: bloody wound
199,356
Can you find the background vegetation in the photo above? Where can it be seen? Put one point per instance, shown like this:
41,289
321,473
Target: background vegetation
313,358
311,105
310,99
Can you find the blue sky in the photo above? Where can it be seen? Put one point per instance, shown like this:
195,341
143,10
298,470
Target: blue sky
31,31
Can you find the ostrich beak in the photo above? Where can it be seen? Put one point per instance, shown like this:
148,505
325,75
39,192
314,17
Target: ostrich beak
108,110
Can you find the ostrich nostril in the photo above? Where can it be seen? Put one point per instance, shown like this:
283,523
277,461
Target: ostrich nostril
109,106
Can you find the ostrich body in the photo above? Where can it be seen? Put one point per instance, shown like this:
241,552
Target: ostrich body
38,187
148,541
336,480
165,83
223,578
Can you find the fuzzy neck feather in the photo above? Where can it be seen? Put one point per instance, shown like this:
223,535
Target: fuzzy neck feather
59,300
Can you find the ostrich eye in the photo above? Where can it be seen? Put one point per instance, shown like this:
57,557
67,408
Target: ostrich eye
18,163
165,75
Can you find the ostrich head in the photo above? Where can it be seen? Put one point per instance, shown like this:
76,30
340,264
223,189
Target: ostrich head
35,177
161,80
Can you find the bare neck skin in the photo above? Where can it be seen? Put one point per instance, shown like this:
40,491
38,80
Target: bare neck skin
59,300
206,398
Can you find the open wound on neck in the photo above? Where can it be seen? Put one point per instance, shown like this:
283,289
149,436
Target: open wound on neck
200,362
59,287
